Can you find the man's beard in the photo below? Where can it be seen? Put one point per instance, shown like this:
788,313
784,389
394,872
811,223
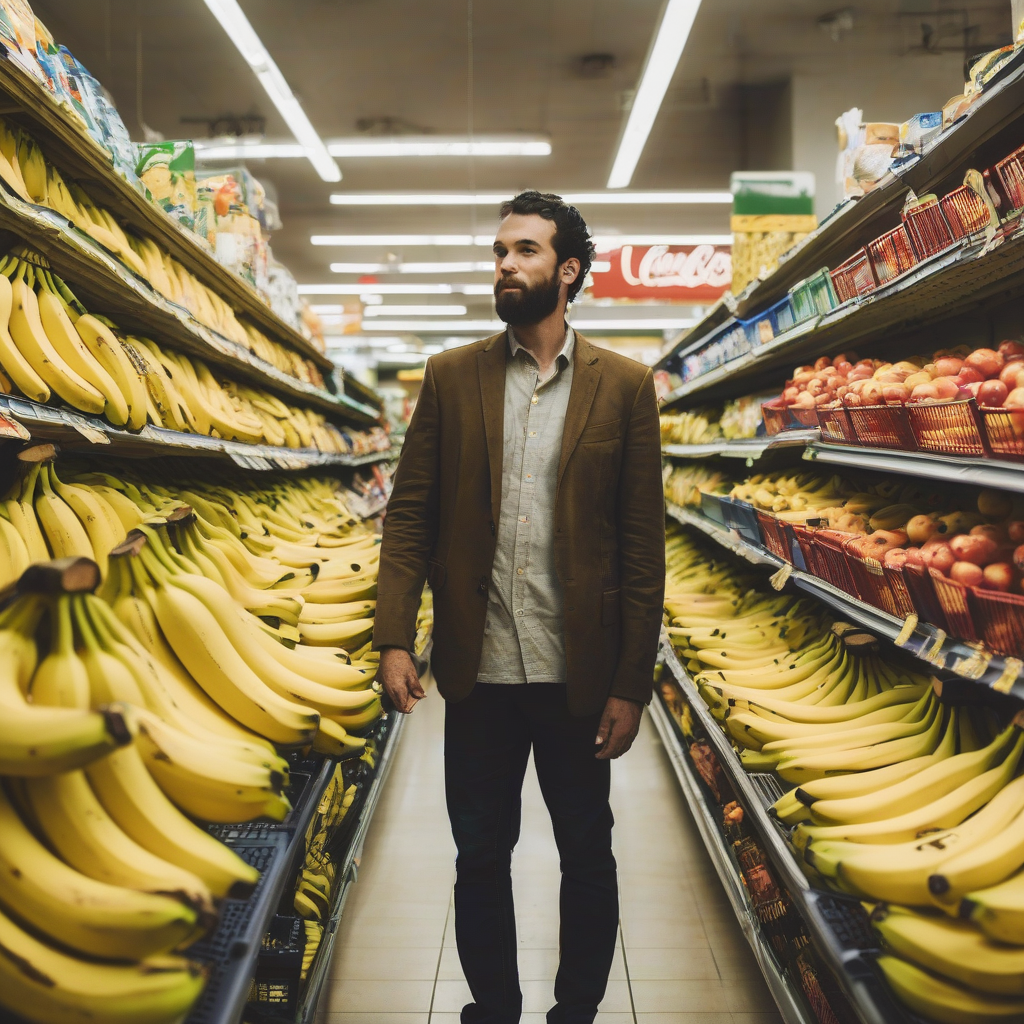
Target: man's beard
522,305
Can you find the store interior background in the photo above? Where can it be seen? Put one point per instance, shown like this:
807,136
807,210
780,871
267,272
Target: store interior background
759,87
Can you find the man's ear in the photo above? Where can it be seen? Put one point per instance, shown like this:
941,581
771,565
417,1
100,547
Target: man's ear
570,270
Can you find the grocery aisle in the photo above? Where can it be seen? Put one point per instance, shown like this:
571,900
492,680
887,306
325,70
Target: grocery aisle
681,959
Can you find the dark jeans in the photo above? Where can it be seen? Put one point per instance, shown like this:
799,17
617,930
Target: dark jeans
487,742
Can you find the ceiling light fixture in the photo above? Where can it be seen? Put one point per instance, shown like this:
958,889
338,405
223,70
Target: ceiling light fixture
415,311
667,48
484,327
495,198
395,289
401,146
464,267
603,242
243,35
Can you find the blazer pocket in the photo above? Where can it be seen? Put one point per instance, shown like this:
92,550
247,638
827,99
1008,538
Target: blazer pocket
611,611
611,430
436,574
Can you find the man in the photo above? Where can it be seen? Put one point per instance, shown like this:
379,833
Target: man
529,496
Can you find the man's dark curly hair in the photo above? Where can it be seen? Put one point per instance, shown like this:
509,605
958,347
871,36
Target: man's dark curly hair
572,236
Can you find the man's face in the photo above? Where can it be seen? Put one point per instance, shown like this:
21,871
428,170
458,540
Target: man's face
528,282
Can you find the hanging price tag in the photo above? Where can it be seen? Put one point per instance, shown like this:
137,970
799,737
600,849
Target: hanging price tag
1012,668
935,655
974,666
778,580
92,434
12,428
909,625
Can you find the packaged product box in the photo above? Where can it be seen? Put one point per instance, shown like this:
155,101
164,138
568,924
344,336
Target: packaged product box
168,170
771,212
915,135
18,36
866,151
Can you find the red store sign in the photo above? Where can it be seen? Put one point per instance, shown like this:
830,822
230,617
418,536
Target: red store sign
691,273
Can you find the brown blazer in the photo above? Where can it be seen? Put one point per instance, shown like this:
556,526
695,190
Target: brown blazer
609,521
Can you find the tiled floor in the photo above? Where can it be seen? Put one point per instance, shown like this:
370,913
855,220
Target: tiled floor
681,956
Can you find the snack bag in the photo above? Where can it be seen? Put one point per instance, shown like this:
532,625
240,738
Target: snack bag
168,170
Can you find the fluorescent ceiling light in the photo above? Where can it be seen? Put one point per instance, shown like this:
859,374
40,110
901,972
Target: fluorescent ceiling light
416,311
236,25
400,146
639,324
464,267
399,240
482,327
603,242
394,289
664,55
495,198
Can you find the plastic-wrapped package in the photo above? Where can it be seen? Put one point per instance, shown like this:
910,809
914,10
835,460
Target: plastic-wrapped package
283,293
168,170
18,35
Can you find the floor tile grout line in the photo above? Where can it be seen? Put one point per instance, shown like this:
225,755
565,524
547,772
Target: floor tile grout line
440,957
625,969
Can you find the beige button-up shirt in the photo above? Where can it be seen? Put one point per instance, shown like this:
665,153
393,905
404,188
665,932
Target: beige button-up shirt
523,635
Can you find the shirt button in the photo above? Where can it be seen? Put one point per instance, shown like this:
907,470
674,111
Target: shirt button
534,400
519,572
519,611
524,519
529,476
533,433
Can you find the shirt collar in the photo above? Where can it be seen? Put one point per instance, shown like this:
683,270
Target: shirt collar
564,353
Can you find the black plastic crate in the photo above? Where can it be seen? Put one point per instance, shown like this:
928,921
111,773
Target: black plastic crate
275,988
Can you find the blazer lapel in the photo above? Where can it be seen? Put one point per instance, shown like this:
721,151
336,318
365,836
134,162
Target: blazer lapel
491,371
585,377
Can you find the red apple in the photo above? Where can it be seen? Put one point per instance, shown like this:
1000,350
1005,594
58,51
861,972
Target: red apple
998,576
986,361
1018,558
1009,349
967,573
939,557
915,557
1015,531
1015,399
923,392
1010,374
895,394
992,394
947,388
969,375
970,548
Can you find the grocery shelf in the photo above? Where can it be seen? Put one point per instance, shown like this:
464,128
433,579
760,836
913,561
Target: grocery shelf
951,283
944,656
746,448
854,222
1007,476
231,951
74,152
349,872
790,1004
836,924
75,430
104,284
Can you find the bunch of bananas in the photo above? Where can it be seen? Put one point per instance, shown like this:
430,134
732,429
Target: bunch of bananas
896,797
684,484
102,874
689,428
51,345
424,621
24,167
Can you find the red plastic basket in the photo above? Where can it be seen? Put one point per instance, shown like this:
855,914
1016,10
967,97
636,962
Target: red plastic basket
1010,171
891,255
948,428
835,425
871,582
854,277
954,598
927,228
1000,620
918,582
965,211
833,560
902,604
784,417
1004,432
774,535
883,426
804,536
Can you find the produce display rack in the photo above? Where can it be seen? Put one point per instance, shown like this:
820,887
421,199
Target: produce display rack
348,872
837,925
75,430
105,285
855,222
975,472
74,151
945,657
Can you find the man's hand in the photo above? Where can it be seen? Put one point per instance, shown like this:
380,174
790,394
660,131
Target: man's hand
619,726
400,679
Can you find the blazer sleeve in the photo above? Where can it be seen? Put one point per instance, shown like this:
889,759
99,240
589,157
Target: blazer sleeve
410,526
641,548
